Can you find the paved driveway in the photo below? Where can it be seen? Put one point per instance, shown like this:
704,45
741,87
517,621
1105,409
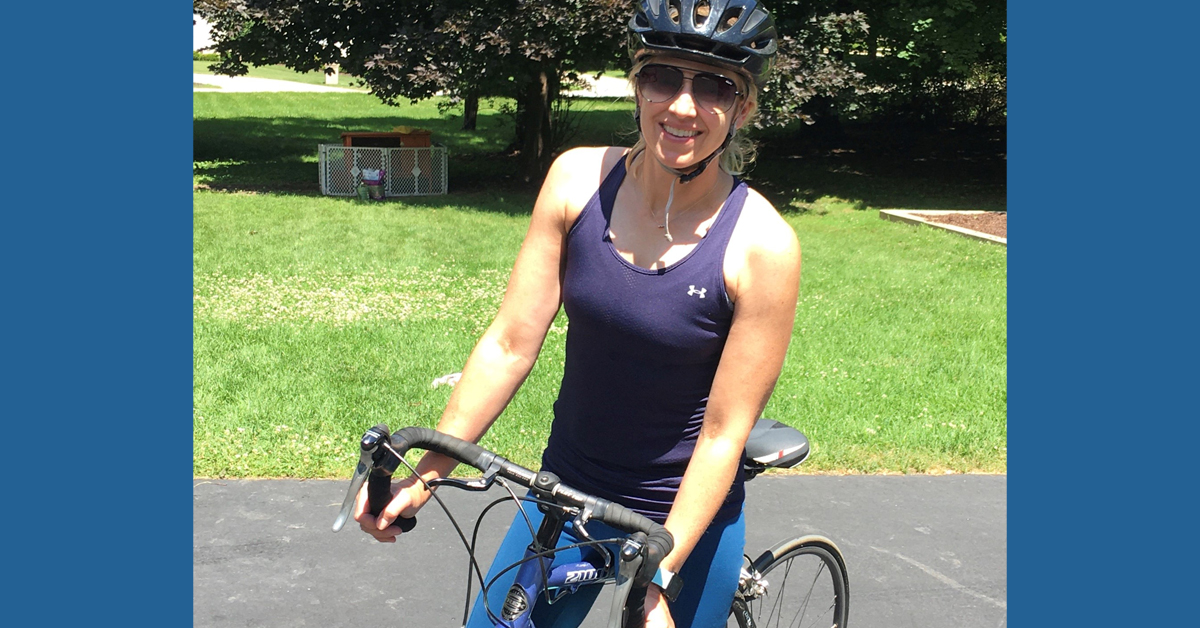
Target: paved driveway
251,84
921,551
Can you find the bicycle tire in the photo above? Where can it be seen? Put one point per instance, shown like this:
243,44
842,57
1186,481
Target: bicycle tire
806,587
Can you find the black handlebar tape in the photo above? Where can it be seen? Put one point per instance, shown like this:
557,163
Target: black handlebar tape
658,544
659,541
379,482
625,519
379,494
435,441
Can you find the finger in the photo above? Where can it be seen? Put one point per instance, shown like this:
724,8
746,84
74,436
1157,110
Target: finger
360,503
400,501
368,525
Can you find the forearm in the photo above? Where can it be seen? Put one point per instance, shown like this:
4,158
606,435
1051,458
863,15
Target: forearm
490,379
705,485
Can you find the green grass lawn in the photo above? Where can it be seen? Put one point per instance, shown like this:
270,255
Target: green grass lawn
317,317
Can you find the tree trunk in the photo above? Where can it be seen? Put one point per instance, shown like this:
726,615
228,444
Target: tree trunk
470,111
535,126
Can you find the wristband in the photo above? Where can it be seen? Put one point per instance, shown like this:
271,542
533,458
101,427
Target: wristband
669,582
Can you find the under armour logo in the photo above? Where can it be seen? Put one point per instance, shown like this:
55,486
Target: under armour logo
692,290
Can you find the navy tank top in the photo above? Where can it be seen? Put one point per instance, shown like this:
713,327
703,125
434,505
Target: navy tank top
642,350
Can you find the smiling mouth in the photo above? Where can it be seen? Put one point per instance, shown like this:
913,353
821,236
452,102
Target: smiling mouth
680,133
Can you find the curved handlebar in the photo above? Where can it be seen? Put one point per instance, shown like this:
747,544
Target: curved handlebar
543,484
381,454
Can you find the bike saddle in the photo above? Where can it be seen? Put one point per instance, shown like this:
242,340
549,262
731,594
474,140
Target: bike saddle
773,444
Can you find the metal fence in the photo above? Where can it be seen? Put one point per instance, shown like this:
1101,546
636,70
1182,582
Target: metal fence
408,171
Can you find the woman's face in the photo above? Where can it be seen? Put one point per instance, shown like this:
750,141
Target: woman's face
687,108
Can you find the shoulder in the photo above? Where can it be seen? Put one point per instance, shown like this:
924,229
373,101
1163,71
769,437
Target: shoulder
761,230
763,249
577,173
570,183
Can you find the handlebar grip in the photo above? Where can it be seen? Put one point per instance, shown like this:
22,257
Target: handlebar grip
623,518
432,440
659,541
379,494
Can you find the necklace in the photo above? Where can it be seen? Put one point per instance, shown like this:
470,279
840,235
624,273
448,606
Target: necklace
666,224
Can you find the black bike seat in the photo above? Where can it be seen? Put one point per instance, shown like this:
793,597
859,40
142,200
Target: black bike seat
774,444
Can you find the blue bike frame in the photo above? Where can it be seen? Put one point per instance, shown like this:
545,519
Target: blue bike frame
537,575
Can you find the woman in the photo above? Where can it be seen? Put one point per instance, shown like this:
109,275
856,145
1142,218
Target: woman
680,285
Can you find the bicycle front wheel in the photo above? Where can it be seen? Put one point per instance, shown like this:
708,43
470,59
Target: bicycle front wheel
803,584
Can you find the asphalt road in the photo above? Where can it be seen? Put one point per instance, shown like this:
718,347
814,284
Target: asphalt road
920,550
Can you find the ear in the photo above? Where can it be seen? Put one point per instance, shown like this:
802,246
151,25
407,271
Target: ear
743,113
740,120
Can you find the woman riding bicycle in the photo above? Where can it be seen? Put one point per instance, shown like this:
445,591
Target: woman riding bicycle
680,285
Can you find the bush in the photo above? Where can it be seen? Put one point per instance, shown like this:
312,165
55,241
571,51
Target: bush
205,56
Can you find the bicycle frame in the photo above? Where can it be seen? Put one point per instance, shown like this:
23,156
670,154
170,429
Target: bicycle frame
536,576
771,444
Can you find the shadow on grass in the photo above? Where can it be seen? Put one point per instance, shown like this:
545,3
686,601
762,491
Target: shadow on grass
883,167
280,154
798,170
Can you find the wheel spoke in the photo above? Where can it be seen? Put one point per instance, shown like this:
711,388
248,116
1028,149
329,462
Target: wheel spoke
817,604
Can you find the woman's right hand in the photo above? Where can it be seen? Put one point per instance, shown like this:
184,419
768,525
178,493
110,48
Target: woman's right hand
407,498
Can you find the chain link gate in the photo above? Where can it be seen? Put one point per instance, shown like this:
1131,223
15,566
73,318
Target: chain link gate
408,171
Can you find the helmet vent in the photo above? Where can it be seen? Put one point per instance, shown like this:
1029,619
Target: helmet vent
754,20
673,11
700,15
732,15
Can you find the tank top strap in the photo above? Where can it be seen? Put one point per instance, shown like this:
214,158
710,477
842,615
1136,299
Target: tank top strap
721,229
609,188
718,235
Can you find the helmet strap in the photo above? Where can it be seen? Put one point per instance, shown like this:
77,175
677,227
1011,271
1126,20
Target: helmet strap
684,177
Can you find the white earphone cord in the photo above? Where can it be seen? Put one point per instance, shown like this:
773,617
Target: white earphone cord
667,212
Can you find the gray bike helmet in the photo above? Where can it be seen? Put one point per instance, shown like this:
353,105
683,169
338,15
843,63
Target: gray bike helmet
735,34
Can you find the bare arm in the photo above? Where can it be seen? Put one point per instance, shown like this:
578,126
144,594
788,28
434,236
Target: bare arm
765,286
506,352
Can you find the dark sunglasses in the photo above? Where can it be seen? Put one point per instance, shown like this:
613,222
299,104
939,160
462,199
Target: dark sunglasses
712,92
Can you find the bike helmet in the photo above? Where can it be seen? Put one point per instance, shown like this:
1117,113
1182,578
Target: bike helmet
735,34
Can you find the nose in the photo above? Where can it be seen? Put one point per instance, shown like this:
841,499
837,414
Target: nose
684,103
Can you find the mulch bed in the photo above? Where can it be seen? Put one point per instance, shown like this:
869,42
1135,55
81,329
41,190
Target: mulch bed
991,223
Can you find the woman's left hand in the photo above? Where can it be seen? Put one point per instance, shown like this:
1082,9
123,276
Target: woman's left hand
657,613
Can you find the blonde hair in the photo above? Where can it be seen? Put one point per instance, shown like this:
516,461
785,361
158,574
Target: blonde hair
739,154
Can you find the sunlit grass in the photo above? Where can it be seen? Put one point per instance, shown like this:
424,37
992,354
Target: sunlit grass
317,317
328,316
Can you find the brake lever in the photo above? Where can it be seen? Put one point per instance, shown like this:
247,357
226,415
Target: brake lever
630,563
369,445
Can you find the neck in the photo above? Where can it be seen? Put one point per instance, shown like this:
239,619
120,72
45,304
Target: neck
654,181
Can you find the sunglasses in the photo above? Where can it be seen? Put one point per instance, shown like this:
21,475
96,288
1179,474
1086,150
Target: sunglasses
712,92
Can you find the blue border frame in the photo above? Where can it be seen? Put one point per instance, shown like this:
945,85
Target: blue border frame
1103,134
97,249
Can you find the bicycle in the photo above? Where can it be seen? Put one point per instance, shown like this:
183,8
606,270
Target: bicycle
761,599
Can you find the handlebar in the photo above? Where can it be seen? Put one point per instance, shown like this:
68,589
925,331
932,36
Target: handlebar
381,454
543,484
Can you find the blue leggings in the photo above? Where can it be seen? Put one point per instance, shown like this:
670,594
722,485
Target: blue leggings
710,576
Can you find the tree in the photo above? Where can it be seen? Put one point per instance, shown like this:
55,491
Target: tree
521,49
415,49
937,61
812,65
